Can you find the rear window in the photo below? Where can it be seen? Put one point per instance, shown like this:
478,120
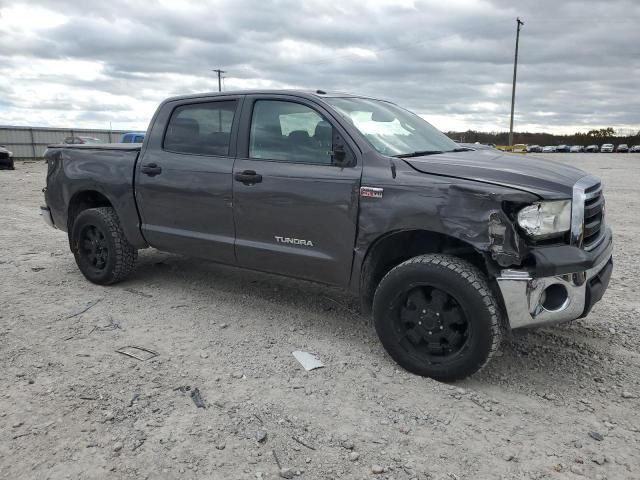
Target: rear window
201,128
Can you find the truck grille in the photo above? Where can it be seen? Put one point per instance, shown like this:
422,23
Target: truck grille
593,216
588,210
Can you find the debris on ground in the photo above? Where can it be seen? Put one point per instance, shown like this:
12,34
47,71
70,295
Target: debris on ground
197,398
84,309
139,353
308,360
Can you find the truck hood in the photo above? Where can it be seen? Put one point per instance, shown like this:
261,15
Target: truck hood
545,178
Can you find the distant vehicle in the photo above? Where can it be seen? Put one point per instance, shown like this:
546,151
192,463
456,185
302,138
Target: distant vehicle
563,148
576,149
592,149
549,149
534,149
635,149
606,148
475,146
6,158
81,140
519,148
622,148
132,137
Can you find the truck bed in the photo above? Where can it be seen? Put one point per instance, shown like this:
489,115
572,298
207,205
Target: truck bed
104,169
99,146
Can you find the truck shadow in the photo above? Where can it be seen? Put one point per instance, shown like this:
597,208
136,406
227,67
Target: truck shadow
528,359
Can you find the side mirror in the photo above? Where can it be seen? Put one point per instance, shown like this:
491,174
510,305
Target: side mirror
339,155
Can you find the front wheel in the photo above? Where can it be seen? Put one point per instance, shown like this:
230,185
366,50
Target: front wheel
102,252
436,316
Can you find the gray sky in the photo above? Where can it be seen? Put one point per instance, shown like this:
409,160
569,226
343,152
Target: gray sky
85,64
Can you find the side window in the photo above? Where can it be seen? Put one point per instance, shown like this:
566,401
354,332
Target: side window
290,132
138,139
201,128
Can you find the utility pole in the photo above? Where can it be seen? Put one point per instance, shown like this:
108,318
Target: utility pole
219,72
515,71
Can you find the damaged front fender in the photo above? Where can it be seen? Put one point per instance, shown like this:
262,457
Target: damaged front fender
468,211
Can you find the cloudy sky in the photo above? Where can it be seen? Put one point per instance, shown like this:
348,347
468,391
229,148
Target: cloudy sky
85,64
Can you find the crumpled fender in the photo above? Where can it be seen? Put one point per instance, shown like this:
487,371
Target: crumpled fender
469,211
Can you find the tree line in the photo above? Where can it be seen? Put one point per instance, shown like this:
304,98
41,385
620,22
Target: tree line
596,136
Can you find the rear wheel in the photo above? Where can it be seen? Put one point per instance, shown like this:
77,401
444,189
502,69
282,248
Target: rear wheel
436,316
102,252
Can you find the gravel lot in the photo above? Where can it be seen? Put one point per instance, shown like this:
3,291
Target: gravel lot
558,403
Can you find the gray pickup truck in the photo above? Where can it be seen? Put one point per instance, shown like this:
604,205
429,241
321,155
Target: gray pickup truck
446,246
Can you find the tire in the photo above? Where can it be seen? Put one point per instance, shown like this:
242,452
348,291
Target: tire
436,317
102,252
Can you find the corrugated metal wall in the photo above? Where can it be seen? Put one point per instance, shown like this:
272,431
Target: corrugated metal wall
31,142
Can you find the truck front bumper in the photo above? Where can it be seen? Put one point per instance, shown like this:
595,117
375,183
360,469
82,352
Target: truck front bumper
532,300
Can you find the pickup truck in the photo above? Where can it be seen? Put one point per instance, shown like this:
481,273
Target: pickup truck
446,246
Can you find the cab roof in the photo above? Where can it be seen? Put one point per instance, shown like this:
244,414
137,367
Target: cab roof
309,94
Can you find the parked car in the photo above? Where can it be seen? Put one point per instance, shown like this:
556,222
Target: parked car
81,140
622,148
534,149
132,137
6,158
592,149
635,149
576,149
563,148
445,245
475,146
549,149
606,148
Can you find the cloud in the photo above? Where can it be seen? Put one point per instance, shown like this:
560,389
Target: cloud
67,61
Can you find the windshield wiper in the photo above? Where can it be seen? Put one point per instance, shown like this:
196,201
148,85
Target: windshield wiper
418,153
462,149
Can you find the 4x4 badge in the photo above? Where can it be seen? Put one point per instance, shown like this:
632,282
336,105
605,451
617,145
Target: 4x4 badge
371,192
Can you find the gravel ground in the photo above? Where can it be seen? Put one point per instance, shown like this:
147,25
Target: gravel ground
558,403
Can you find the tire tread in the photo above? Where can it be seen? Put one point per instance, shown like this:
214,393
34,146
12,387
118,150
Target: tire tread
476,279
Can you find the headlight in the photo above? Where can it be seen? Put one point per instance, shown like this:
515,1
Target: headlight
546,219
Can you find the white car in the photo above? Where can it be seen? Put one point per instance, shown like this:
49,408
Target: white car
635,149
576,149
549,149
606,148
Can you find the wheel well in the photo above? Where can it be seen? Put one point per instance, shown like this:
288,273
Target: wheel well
394,248
82,201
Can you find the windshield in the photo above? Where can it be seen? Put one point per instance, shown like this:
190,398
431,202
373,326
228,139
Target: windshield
392,130
91,140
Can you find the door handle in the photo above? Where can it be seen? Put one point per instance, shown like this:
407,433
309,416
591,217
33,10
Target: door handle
151,169
248,177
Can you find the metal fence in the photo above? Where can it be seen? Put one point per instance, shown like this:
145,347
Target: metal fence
31,142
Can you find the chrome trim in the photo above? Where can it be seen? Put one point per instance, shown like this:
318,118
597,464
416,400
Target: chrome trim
577,211
522,295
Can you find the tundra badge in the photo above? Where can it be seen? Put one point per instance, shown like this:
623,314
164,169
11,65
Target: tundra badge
294,241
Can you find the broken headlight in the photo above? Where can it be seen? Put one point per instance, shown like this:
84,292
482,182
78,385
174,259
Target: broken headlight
546,219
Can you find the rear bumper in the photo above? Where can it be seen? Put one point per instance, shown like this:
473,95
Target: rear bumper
545,300
45,213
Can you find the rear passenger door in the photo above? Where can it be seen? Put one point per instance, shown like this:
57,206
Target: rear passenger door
184,178
295,210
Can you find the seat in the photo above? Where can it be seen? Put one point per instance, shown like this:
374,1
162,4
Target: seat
323,134
184,135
